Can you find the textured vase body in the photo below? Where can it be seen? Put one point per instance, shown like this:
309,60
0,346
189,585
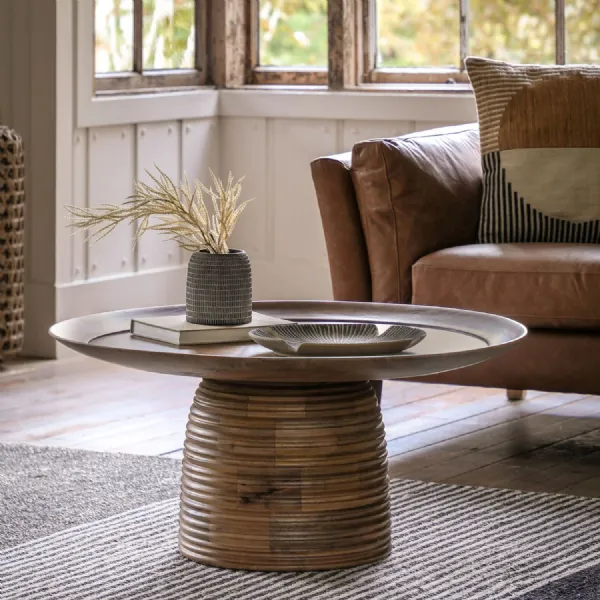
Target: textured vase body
219,289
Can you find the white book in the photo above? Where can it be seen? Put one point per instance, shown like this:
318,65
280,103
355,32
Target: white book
175,330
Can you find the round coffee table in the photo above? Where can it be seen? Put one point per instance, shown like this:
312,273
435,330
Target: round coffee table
285,464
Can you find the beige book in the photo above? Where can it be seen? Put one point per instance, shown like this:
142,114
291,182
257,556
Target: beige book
175,330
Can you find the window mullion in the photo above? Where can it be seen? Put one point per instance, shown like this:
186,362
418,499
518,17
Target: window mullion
464,32
201,45
342,49
253,49
369,26
138,36
561,50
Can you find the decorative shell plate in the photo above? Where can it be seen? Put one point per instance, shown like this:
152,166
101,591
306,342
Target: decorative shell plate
337,339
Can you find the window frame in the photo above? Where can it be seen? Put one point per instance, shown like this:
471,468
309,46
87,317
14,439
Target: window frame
354,23
227,54
371,73
143,81
257,74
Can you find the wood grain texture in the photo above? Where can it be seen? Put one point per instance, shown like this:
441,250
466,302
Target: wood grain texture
454,339
343,52
288,76
285,477
228,41
467,436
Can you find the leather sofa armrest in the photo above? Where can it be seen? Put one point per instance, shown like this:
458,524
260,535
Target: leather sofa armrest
416,194
346,248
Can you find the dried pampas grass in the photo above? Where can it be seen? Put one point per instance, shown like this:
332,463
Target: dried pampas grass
177,212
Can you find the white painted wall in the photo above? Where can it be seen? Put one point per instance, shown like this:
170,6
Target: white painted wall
272,136
112,273
87,151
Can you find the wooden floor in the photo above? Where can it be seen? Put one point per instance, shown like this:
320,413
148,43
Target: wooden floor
471,436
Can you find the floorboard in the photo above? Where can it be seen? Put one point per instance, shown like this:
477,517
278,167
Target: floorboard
467,436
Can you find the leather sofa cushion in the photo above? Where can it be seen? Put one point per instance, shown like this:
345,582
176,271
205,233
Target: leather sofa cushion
416,194
540,285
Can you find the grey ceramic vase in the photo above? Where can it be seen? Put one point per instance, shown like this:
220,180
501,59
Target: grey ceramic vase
219,289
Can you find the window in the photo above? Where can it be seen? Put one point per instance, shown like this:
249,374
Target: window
146,44
289,41
428,40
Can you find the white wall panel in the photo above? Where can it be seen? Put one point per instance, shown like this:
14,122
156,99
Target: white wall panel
358,131
199,152
244,153
111,176
298,233
158,145
80,198
291,280
200,149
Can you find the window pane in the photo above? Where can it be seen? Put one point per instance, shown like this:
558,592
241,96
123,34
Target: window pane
583,31
169,34
293,33
114,35
418,33
519,32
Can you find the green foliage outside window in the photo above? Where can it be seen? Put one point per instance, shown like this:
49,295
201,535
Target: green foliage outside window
293,33
411,33
168,35
425,33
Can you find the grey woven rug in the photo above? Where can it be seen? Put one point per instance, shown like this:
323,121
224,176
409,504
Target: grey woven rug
449,542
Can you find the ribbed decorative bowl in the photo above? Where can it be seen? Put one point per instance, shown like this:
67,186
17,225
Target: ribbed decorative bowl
337,339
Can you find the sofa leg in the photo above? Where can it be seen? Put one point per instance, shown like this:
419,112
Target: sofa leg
515,395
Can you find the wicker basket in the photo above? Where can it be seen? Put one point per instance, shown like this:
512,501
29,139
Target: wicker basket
12,231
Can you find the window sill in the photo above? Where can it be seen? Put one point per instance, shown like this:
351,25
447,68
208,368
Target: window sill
118,109
369,102
409,88
151,91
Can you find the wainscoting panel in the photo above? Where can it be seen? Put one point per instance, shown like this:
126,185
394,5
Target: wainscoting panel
359,131
200,149
111,176
244,153
80,198
199,152
293,145
158,145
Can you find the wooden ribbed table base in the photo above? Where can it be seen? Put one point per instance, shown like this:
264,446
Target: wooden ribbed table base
285,477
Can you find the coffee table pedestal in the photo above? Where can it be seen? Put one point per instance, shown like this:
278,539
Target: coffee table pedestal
285,477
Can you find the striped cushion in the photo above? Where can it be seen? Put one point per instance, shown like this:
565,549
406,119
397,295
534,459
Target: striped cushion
540,145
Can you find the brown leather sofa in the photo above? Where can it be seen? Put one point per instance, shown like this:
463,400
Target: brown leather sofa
401,216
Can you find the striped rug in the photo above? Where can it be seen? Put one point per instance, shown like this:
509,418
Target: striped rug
449,543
